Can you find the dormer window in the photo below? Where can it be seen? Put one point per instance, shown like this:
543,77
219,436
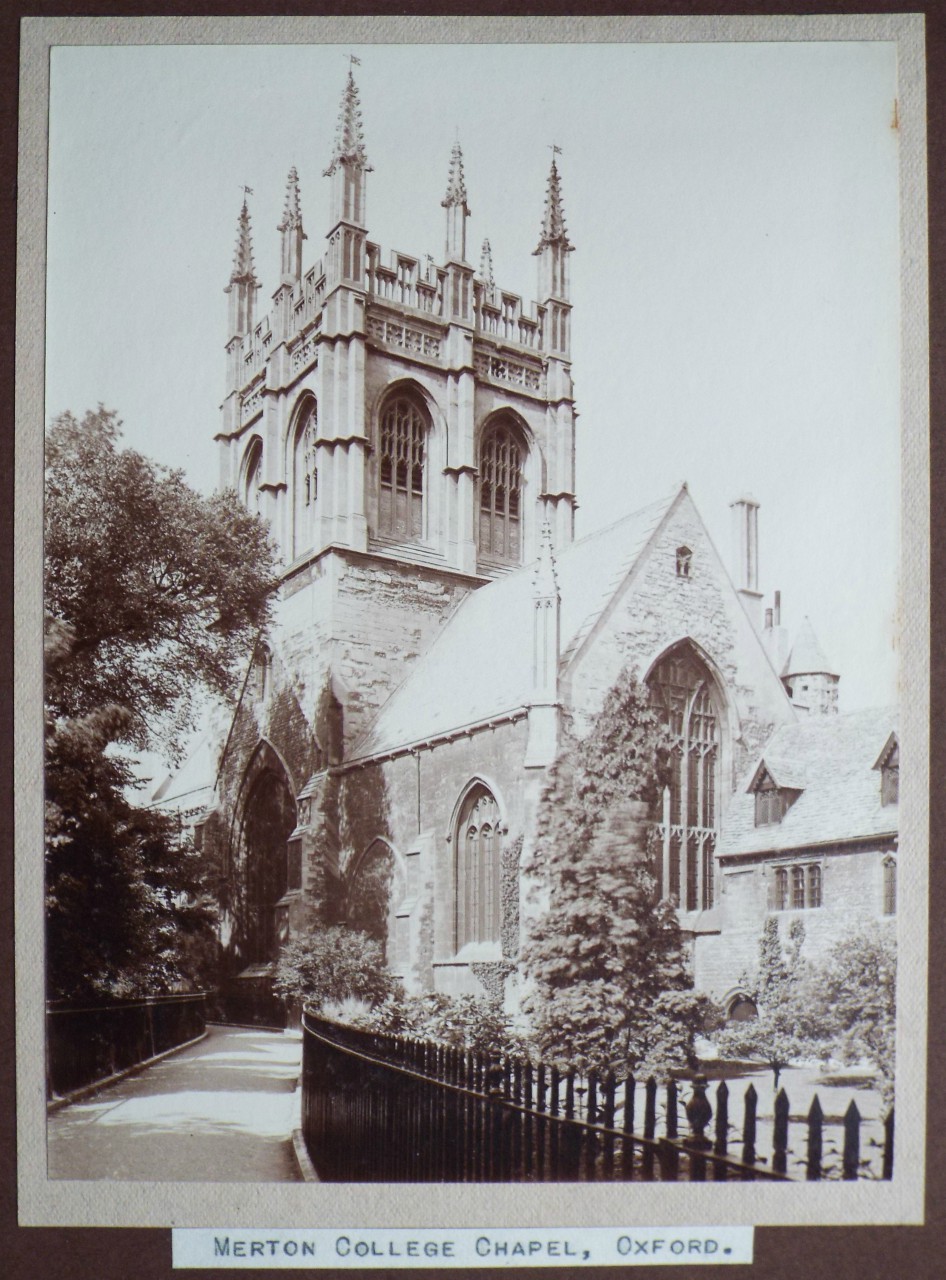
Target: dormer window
684,561
888,762
772,801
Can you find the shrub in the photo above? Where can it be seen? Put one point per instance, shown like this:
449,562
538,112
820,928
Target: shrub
333,964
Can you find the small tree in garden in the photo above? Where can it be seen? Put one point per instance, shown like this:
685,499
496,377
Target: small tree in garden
853,997
611,987
333,964
783,1029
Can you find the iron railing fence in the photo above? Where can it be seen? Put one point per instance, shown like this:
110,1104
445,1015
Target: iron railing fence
386,1108
90,1042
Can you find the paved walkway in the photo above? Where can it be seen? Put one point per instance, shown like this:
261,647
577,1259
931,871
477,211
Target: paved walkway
220,1111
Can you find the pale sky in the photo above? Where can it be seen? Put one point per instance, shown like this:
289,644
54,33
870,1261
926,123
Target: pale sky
735,282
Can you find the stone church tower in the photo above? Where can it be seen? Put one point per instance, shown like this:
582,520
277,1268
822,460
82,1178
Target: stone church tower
407,429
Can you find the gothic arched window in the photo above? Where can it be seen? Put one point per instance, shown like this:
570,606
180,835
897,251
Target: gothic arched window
252,476
305,481
269,820
401,453
682,689
478,868
500,495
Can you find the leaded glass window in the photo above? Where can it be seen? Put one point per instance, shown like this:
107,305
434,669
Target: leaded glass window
478,897
305,482
401,455
680,687
500,500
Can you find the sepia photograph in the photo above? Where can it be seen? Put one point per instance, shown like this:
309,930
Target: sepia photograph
484,597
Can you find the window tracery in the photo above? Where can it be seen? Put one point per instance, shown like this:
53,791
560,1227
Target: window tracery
402,442
305,486
478,869
680,687
500,495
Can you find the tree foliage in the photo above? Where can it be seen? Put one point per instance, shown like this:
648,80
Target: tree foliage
783,1029
463,1022
333,964
610,986
151,592
155,590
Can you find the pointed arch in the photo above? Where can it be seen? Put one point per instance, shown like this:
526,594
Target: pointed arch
303,474
374,885
401,464
265,818
692,703
477,836
251,474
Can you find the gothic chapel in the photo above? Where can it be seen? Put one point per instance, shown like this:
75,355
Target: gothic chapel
408,430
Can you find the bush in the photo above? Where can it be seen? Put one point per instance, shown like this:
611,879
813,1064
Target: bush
333,964
462,1022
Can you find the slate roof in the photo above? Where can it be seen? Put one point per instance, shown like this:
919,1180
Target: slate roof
831,760
807,656
480,665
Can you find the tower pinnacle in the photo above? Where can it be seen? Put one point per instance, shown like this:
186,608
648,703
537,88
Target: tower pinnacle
290,231
553,223
243,271
456,186
544,578
486,266
292,211
349,146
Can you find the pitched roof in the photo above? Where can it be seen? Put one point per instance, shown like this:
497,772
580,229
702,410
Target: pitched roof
480,665
830,759
807,656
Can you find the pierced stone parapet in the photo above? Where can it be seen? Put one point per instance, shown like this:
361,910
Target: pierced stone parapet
252,401
406,337
305,353
511,372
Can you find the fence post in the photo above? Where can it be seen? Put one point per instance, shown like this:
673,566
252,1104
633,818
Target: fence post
608,1091
721,1146
540,1125
780,1133
555,1146
748,1132
572,1148
650,1128
627,1127
589,1133
699,1112
888,1146
815,1136
528,1123
852,1141
669,1155
496,1089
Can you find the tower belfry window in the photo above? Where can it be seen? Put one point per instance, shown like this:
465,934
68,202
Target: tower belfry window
680,688
305,482
500,496
401,469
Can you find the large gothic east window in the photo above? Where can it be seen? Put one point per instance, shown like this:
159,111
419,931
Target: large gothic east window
500,495
478,867
401,453
682,688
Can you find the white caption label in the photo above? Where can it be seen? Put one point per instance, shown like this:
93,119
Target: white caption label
466,1247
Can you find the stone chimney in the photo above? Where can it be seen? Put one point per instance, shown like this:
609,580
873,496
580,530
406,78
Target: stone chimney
745,527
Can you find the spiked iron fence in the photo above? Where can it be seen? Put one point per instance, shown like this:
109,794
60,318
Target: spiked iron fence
385,1108
88,1043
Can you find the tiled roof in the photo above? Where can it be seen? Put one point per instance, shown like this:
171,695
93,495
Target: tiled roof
830,759
481,663
807,656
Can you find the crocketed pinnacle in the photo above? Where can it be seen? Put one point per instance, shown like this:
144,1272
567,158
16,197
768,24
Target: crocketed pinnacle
553,224
243,271
292,213
544,579
349,141
486,265
456,186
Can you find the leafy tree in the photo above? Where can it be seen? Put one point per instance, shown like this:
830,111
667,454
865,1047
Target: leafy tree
610,982
783,1029
852,997
333,964
151,592
156,591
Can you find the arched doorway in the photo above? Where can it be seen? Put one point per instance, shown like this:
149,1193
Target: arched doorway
269,819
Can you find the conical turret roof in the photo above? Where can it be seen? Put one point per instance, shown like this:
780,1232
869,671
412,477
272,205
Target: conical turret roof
553,224
243,269
806,656
292,212
456,185
349,141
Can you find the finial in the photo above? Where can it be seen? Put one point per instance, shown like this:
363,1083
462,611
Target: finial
544,579
292,211
486,265
243,270
349,142
553,223
456,186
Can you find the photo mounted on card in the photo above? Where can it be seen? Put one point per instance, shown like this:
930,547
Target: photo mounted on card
485,596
